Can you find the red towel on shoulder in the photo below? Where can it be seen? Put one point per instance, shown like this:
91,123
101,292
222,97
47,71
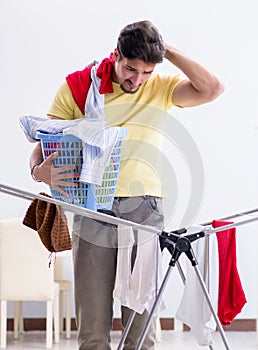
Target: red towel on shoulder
79,81
231,297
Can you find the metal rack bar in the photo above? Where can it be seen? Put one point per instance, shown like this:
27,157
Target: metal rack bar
76,209
248,212
114,220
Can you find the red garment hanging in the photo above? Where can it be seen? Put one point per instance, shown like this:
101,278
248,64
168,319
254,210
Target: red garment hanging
231,298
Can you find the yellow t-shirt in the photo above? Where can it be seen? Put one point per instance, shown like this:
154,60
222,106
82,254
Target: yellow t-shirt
143,114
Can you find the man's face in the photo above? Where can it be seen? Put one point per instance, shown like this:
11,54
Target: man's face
131,74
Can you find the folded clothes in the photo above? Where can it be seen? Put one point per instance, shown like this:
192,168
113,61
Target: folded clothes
32,124
98,140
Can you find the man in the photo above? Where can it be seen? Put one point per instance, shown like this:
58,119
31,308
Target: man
135,98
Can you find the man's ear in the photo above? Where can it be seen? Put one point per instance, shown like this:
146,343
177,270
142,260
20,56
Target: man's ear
116,55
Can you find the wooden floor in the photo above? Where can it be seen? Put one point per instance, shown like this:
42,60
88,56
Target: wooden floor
170,340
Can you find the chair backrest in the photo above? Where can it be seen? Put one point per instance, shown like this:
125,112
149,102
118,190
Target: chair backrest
24,270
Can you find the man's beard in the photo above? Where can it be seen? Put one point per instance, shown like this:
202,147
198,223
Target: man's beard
129,91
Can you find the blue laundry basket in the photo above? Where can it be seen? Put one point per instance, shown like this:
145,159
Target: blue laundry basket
70,152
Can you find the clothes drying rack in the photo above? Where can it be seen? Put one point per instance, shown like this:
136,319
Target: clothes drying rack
177,242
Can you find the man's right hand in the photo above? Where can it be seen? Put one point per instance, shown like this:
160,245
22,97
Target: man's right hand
55,177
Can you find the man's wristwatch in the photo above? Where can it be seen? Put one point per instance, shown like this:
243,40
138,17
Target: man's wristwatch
32,172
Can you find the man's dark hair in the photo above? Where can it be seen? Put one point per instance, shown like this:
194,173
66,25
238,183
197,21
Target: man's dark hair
141,40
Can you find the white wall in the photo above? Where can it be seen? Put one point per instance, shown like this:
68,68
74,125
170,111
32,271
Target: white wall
42,41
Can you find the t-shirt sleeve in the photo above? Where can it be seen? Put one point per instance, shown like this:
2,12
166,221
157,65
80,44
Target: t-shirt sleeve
160,89
63,105
169,96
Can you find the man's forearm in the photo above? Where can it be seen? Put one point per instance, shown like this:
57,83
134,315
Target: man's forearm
206,84
36,156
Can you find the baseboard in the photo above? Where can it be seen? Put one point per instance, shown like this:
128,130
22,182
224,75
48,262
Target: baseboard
38,324
238,325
